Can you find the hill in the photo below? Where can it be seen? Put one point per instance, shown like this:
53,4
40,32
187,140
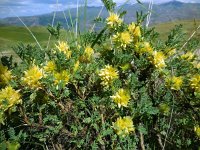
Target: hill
166,12
12,35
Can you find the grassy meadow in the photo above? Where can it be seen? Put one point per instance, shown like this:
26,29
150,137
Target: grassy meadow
189,27
12,35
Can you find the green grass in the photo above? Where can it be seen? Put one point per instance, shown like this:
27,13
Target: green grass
12,35
189,26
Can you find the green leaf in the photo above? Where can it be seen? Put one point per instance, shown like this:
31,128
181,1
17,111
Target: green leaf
3,145
142,129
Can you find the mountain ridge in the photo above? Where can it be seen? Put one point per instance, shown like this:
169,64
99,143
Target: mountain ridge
164,12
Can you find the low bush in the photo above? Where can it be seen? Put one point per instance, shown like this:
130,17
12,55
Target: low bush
119,88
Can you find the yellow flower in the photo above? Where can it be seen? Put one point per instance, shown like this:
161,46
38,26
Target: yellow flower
76,66
174,83
64,47
50,66
197,130
137,32
108,75
89,51
196,64
5,75
169,52
195,82
123,39
158,60
8,98
32,76
143,47
134,30
131,27
88,54
123,126
113,20
122,98
188,56
62,76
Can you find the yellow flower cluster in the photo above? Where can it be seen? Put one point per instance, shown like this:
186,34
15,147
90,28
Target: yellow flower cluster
134,30
197,130
88,54
9,98
195,83
122,98
113,20
170,51
174,82
76,65
108,75
50,67
64,47
123,126
123,39
188,56
5,75
158,60
62,76
32,76
196,64
143,47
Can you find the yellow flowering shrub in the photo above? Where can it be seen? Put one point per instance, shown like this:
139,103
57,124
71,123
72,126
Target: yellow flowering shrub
9,98
122,39
195,82
108,75
170,52
76,66
158,60
121,98
113,20
5,75
88,54
118,87
62,76
123,126
64,47
50,67
32,77
174,82
144,47
188,56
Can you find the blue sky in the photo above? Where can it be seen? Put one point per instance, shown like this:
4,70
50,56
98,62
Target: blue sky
35,7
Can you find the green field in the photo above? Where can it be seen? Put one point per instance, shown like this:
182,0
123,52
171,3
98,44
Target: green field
11,35
189,26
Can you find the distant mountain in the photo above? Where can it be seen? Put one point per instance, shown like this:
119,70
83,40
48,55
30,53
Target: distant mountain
170,11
